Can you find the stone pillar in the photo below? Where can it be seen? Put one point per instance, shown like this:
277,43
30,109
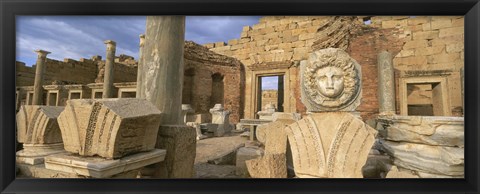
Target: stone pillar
39,71
462,81
109,63
140,93
162,82
386,83
163,66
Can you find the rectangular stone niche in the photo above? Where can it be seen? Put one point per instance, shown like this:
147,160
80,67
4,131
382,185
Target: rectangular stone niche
424,96
98,167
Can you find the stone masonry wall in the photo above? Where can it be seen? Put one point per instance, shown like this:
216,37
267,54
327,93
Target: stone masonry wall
71,71
201,64
431,43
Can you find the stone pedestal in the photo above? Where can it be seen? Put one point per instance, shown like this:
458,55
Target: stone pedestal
33,154
109,65
187,110
267,113
180,143
39,71
98,167
386,83
220,119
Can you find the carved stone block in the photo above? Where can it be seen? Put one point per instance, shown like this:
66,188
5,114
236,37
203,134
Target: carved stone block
332,144
330,81
110,128
38,124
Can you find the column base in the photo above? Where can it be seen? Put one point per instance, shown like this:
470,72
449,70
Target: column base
34,154
98,167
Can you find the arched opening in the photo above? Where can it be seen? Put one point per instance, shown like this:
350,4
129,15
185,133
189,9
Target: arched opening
217,89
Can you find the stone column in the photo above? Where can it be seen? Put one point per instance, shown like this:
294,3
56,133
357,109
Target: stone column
163,66
140,93
109,63
39,71
162,82
386,83
462,81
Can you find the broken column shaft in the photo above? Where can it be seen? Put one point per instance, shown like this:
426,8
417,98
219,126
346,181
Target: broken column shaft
386,83
162,69
39,71
109,63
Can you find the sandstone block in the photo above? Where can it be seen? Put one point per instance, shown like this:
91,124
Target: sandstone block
437,24
396,173
110,128
452,48
451,31
443,58
425,35
429,50
415,44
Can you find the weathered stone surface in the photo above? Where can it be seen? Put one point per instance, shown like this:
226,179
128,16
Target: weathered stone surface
180,143
35,153
163,66
445,131
332,144
268,166
330,81
396,173
244,154
110,128
215,148
220,117
186,110
426,158
38,124
386,83
98,167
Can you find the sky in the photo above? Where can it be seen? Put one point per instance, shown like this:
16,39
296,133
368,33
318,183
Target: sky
78,37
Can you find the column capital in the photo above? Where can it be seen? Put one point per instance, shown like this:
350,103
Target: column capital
110,42
142,40
42,53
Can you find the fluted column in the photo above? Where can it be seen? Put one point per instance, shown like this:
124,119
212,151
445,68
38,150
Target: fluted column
39,71
109,63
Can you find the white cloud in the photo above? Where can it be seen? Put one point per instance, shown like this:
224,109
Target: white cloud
270,83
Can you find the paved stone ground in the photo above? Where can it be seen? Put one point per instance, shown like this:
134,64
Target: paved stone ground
214,148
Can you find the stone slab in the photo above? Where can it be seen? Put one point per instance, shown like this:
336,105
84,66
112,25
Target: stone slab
426,158
268,166
35,153
244,154
98,167
431,130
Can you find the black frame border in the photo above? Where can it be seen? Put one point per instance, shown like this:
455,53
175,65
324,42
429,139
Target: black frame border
10,8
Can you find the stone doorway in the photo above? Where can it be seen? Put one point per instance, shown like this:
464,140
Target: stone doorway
424,96
271,92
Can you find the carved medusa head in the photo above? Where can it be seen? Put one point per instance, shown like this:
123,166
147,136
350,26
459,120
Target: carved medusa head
331,79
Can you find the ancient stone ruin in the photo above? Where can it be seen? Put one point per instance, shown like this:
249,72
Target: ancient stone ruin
355,97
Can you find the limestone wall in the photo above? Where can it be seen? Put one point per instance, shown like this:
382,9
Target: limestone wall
433,47
418,43
83,71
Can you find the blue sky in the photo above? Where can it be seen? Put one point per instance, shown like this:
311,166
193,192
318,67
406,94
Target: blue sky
78,37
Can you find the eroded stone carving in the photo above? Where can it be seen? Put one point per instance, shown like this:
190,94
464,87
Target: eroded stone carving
220,119
332,144
38,130
110,128
330,81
